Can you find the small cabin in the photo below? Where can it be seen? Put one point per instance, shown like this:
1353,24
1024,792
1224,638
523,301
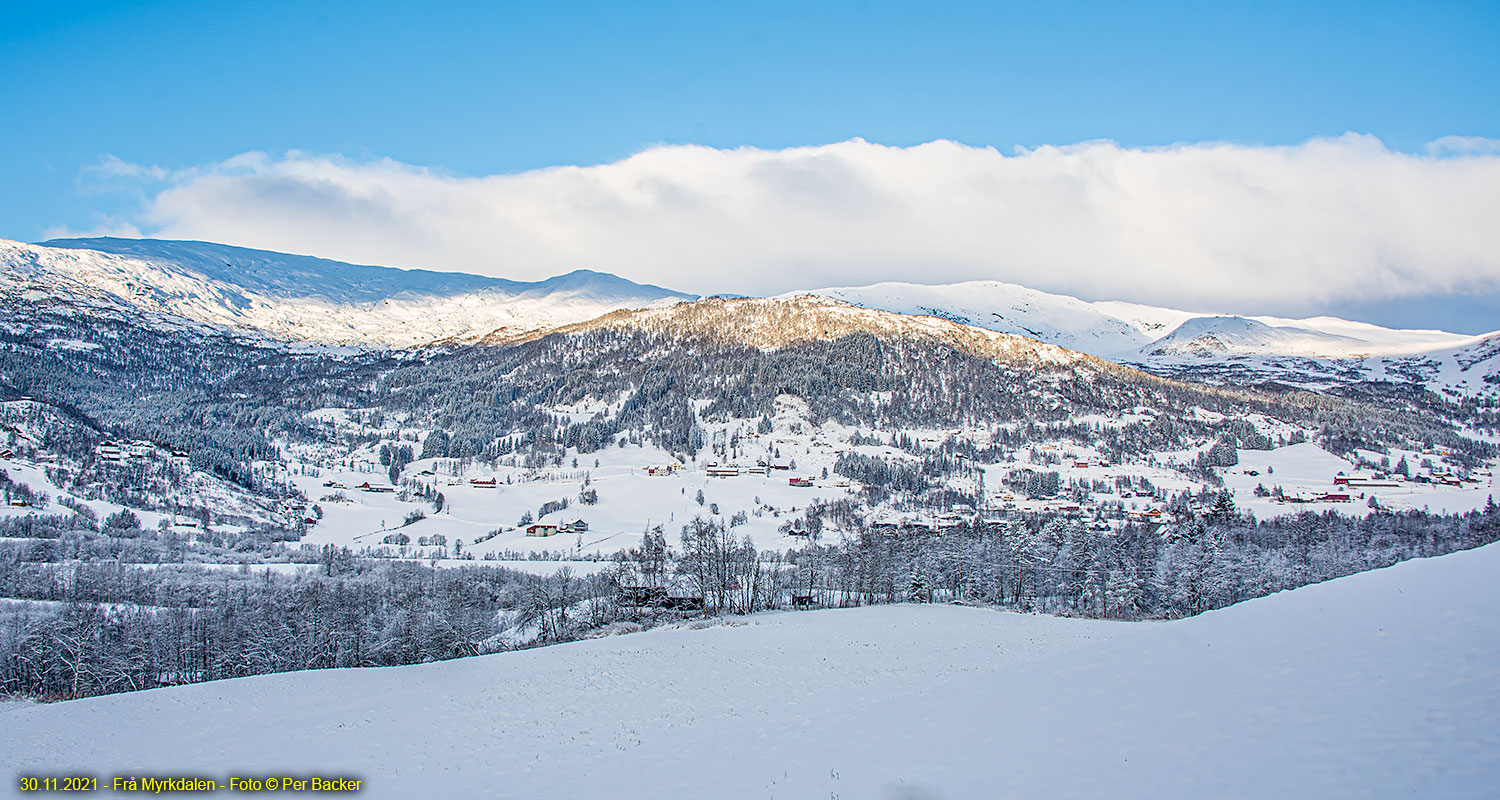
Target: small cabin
683,603
541,530
799,482
483,483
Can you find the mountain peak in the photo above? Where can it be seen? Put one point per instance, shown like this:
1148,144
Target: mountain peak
1233,335
593,281
776,322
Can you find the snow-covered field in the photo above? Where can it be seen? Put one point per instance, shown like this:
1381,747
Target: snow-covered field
1384,684
631,500
1309,470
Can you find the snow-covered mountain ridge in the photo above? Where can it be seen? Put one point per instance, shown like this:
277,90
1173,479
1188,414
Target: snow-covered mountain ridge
1007,308
310,300
770,323
300,298
1119,330
1314,352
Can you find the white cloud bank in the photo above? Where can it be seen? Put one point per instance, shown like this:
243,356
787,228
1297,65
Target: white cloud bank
1224,226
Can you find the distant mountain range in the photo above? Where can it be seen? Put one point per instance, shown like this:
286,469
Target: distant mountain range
1311,353
312,300
301,298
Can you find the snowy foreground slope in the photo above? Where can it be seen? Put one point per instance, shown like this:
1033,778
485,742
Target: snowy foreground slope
1384,684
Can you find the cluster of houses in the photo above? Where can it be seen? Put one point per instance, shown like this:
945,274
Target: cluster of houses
295,509
1366,482
716,471
128,452
1317,496
1346,486
548,529
1442,477
731,470
1148,515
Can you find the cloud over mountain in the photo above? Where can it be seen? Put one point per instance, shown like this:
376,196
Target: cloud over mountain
1223,226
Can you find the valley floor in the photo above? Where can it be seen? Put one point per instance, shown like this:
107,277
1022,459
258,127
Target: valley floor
1382,684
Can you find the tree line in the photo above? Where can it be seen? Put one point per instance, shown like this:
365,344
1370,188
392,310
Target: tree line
80,628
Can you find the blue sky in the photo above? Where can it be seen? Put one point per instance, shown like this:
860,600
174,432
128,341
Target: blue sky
498,88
